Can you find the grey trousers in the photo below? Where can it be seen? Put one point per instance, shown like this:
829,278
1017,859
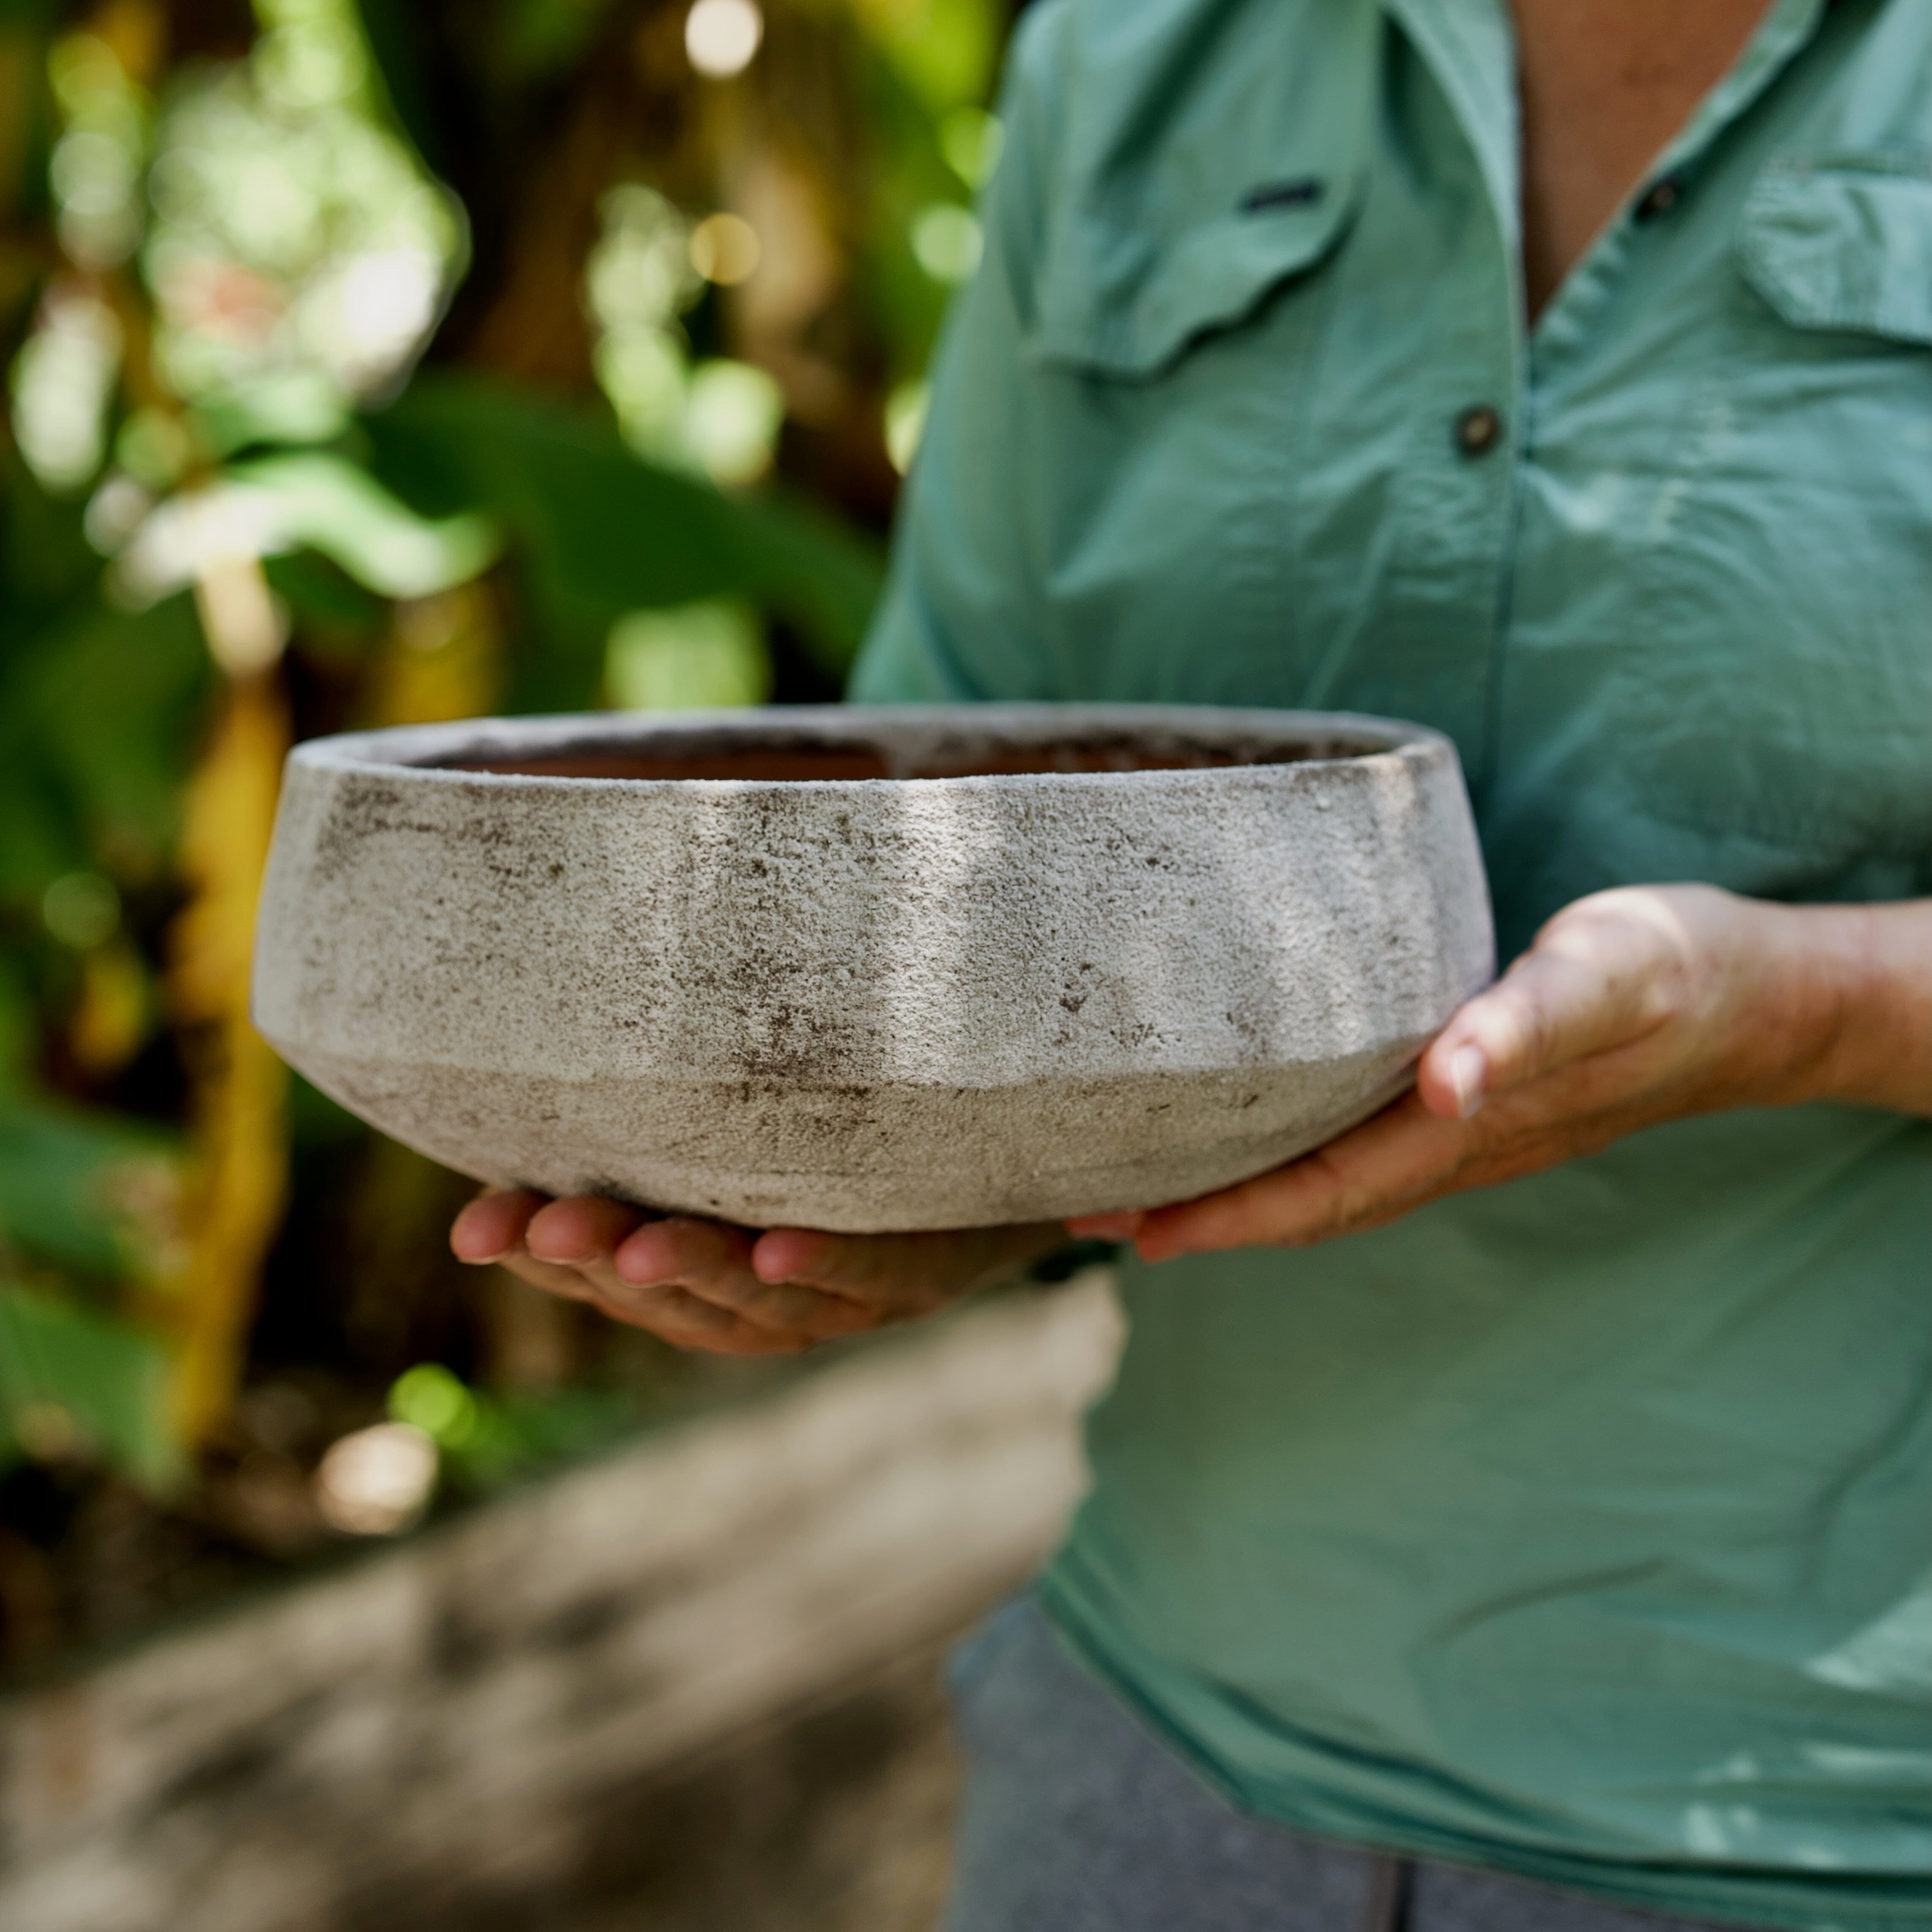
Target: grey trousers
1077,1819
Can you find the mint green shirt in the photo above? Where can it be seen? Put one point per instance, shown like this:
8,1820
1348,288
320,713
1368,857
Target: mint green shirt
1581,1526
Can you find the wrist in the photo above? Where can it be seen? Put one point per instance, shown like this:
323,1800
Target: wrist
1857,1013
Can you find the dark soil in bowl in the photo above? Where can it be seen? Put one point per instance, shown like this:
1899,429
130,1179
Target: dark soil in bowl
744,757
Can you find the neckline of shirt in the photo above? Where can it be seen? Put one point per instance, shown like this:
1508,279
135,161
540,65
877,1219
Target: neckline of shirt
1471,50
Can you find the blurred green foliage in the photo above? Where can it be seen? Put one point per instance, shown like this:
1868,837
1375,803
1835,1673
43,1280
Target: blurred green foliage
74,1382
374,363
484,1441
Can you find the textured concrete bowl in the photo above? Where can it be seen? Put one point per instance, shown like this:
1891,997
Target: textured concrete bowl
871,969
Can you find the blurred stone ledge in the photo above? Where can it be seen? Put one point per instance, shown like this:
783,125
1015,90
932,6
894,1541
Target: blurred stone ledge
450,1730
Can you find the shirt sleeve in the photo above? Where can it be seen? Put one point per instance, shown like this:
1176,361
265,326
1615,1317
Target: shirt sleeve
962,617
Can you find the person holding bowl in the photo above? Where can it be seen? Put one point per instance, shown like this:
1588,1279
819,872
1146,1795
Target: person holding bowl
1519,1512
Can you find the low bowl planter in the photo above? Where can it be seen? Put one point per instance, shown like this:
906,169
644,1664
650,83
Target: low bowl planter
867,969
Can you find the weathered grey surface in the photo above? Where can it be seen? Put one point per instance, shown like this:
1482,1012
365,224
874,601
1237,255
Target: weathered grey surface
553,1695
870,1003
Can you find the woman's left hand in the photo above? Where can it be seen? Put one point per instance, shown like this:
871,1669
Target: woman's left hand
1632,1007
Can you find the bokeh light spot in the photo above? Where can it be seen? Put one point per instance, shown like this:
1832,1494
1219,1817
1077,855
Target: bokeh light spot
377,1481
694,657
946,241
905,421
724,249
722,36
732,413
63,379
81,910
430,1398
970,138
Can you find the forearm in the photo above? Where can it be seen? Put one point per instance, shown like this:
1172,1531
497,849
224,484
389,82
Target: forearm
1859,1000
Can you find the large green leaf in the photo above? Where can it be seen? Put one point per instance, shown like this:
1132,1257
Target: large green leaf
97,703
45,557
323,596
65,1368
321,500
62,1178
97,716
401,39
294,407
25,28
601,531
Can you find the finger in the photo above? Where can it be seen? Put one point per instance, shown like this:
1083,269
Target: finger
687,1321
786,1254
1118,1227
592,1278
870,1269
787,1308
661,1299
874,1277
662,1308
493,1224
1590,983
815,1274
680,1249
903,1271
682,1320
712,1262
1403,1156
551,1277
582,1227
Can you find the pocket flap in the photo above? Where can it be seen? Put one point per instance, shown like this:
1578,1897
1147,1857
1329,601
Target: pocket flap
1124,303
1843,243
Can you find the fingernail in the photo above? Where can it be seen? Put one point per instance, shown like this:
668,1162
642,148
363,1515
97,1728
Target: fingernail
482,1260
1468,1074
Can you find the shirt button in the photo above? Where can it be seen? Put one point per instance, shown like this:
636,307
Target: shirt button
1478,430
1660,198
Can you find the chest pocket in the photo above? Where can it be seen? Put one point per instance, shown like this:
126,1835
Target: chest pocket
1205,169
1785,681
1168,361
1123,303
1844,245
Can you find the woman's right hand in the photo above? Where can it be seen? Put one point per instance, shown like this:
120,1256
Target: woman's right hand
732,1291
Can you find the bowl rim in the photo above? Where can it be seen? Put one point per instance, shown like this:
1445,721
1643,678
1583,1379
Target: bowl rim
404,751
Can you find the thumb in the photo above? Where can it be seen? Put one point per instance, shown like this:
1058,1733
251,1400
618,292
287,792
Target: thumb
1584,987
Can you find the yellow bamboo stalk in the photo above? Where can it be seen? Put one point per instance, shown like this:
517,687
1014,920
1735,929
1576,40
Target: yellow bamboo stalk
240,1167
441,659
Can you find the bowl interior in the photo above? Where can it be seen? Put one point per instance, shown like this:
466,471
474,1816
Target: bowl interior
764,749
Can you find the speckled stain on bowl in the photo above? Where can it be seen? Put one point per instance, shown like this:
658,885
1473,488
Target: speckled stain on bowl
865,969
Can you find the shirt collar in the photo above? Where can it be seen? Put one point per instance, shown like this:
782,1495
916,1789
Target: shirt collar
1470,45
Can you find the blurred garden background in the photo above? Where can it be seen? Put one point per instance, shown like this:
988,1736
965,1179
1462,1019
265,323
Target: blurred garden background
368,362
